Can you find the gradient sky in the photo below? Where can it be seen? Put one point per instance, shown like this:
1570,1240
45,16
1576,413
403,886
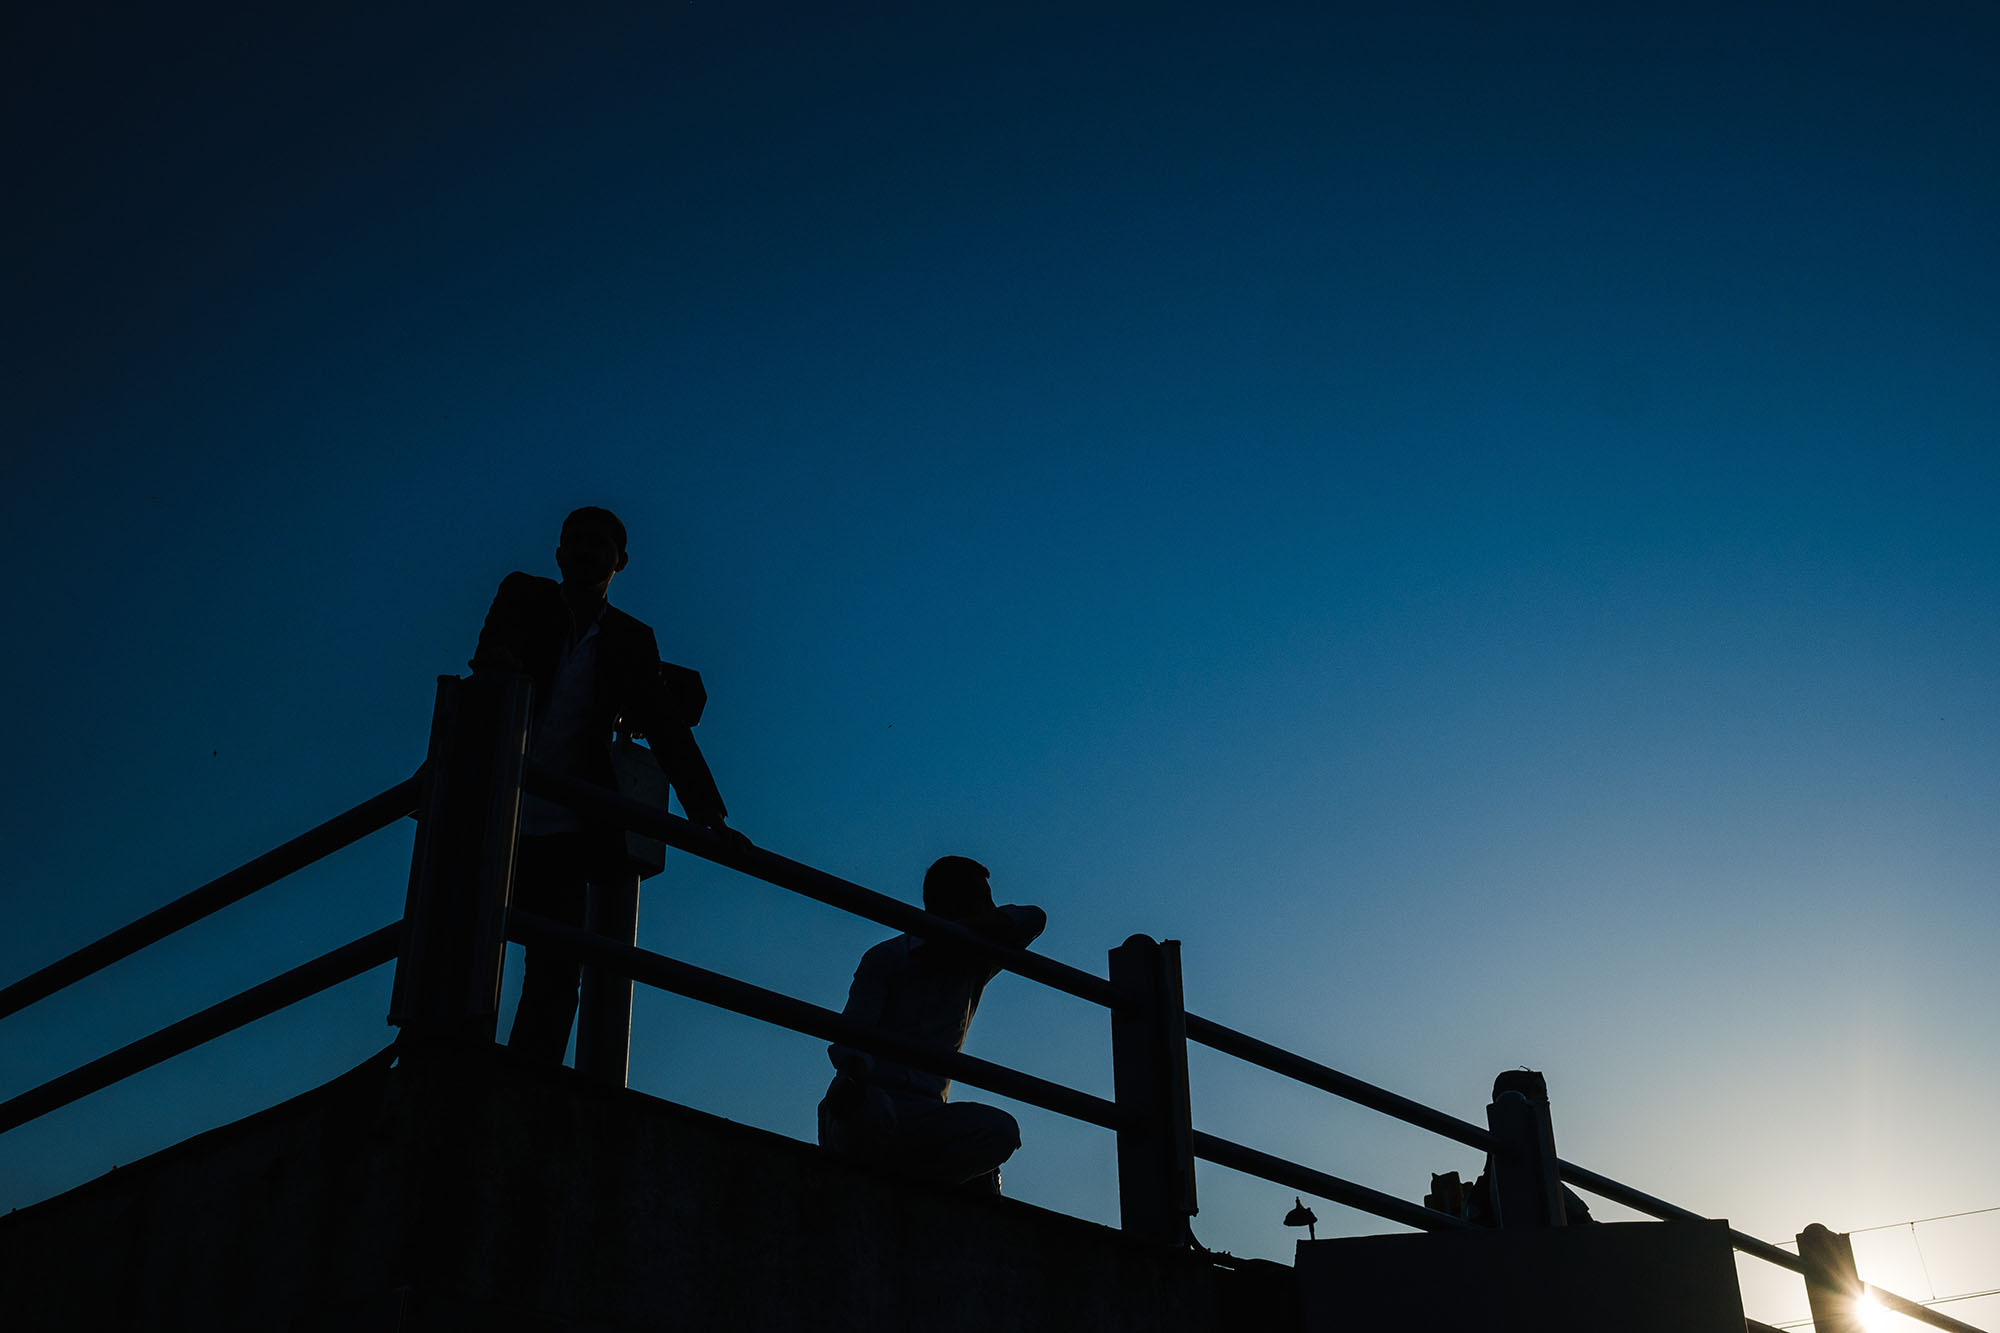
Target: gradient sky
1476,518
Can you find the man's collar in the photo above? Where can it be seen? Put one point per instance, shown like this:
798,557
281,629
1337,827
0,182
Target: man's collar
582,629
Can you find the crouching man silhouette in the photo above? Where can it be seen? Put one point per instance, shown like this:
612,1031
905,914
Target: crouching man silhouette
925,992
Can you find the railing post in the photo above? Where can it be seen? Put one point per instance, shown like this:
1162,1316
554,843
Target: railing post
1526,1188
1833,1288
1149,1076
462,868
604,1014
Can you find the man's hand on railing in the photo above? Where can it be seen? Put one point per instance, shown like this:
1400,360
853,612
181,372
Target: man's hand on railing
711,818
736,840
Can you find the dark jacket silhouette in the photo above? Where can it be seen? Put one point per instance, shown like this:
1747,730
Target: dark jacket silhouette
525,630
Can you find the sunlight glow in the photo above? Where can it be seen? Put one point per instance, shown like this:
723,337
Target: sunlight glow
1877,1319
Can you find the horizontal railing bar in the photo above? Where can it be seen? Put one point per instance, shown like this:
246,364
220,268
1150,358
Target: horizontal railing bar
373,814
1280,1061
1610,1189
1910,1309
1303,1178
742,997
803,879
329,969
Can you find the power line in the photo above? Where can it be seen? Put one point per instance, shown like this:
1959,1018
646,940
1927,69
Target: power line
1922,1262
1941,1217
1891,1226
1925,1263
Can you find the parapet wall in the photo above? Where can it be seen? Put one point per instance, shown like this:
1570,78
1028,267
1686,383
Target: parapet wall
458,1190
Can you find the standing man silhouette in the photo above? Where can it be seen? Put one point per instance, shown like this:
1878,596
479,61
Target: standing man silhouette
594,667
926,991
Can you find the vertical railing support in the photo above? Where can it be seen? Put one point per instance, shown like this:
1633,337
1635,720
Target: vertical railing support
462,868
1526,1189
604,1014
1833,1288
1156,1194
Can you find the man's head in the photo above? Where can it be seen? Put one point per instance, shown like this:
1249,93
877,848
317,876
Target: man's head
592,546
955,887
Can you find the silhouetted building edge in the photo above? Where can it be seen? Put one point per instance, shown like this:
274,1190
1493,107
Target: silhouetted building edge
1634,1277
458,1189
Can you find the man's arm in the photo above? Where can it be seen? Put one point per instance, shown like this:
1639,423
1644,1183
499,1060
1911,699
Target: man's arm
681,760
867,997
660,713
1014,926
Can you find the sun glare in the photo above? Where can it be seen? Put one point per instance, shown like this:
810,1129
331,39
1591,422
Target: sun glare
1876,1319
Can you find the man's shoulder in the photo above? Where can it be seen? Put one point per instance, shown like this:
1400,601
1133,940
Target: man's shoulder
524,587
890,953
628,641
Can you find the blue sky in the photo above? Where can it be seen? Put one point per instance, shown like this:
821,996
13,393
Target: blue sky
1474,518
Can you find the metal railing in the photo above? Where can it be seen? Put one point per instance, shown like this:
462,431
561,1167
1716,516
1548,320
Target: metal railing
450,943
348,961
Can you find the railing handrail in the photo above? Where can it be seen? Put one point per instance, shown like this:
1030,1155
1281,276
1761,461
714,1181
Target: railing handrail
1345,1086
754,1001
810,882
1903,1305
1642,1202
260,872
267,997
348,961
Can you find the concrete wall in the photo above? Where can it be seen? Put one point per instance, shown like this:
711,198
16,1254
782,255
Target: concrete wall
1634,1277
458,1190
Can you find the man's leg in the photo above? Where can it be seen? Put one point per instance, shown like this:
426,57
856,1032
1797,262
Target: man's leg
548,881
953,1141
856,1119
